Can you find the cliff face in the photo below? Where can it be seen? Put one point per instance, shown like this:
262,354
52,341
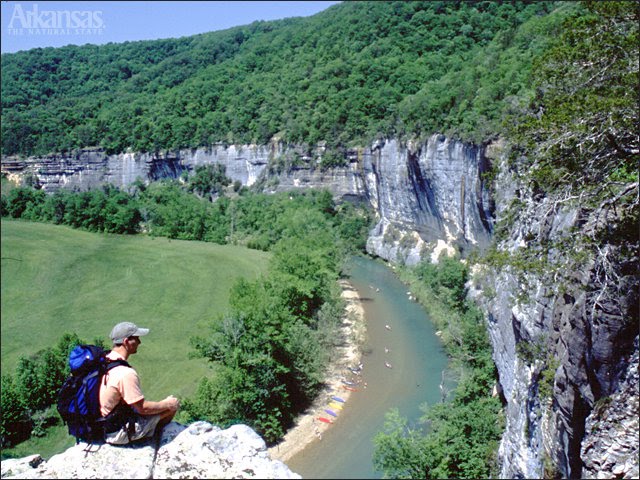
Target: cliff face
564,348
200,450
426,196
610,446
90,168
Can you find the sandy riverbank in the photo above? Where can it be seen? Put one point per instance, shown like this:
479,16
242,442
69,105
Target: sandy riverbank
307,428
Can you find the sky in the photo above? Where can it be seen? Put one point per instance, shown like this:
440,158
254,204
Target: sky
27,25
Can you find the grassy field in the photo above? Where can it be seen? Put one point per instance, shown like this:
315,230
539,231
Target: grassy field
57,280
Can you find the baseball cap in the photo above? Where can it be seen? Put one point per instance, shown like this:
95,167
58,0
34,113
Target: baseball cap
126,329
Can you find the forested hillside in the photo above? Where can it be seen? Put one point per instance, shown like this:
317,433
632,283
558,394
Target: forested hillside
354,72
555,83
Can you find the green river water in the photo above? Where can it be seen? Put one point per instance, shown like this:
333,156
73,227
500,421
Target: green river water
417,360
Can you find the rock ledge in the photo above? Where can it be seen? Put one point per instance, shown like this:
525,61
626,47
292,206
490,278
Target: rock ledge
200,450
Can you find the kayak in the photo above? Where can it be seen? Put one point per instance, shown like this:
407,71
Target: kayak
350,388
337,399
331,412
325,420
351,384
335,406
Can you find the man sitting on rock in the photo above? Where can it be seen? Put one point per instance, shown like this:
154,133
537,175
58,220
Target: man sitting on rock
129,416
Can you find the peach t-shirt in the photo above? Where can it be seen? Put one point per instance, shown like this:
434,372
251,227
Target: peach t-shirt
119,383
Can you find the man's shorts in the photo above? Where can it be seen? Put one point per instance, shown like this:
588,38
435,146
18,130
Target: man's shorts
145,427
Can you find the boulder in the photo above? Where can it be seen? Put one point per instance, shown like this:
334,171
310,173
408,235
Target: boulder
200,450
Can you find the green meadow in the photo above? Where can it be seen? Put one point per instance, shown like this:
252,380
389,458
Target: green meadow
57,280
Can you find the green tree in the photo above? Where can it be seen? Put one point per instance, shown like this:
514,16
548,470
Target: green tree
26,398
24,201
121,213
581,132
54,207
447,278
353,73
209,179
399,450
15,424
452,277
247,345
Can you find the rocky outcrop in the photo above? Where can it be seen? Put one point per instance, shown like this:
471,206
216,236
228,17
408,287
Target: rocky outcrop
90,168
427,196
610,448
200,450
563,337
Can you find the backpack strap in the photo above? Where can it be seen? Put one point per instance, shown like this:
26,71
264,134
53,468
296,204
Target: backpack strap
112,364
122,412
115,363
119,417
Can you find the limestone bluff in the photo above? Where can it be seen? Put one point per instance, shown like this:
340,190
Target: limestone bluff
422,192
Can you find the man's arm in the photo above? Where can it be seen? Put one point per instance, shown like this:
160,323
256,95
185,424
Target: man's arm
147,407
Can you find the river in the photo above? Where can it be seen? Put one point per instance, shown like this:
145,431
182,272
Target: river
417,360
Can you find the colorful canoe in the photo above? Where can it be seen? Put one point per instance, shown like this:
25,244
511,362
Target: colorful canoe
335,406
351,389
338,399
331,412
325,420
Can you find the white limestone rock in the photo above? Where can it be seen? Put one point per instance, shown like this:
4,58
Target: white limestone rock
16,466
205,451
200,450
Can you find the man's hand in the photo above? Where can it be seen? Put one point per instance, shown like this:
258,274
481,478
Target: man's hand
172,403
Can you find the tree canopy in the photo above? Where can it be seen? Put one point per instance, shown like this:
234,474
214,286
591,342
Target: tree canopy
350,74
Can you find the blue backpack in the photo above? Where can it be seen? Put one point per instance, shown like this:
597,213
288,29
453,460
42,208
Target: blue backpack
78,399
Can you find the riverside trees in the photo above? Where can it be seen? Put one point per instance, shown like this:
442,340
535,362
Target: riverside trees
271,348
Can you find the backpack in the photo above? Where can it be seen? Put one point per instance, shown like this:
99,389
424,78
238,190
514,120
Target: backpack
78,399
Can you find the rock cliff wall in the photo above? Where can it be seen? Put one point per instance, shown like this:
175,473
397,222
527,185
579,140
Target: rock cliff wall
610,446
90,168
563,339
426,195
200,450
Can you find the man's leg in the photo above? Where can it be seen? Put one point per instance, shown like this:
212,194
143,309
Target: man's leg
165,419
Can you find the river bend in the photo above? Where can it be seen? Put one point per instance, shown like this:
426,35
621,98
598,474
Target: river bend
416,359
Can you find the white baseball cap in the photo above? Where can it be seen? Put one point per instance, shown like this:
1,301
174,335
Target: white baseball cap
126,329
